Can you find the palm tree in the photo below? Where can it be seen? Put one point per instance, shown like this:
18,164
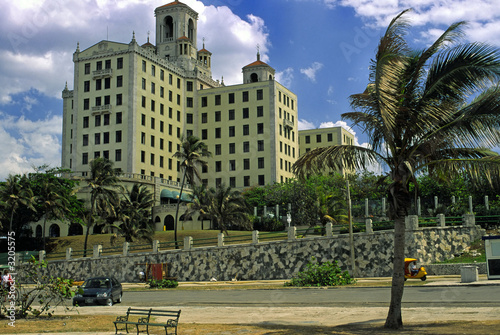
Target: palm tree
54,206
15,193
190,157
435,110
222,204
134,214
102,185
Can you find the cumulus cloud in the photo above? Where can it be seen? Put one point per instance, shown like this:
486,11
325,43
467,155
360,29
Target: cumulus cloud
305,125
27,143
285,77
311,71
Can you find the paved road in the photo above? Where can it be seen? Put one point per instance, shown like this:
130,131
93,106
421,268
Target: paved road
437,296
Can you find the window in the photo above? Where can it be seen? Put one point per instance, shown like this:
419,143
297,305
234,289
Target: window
260,95
85,140
97,121
232,165
189,102
105,137
107,83
143,156
204,134
189,118
118,136
217,133
118,155
161,161
98,65
260,162
86,104
178,99
162,91
217,116
143,102
143,85
246,164
218,166
245,96
97,154
170,96
143,119
152,141
231,114
231,131
106,119
143,66
143,138
189,86
308,139
178,83
246,129
260,111
232,148
152,123
232,181
98,84
107,99
261,180
260,145
97,138
107,64
85,122
217,100
246,181
246,146
153,105
318,138
231,98
86,86
218,149
152,159
119,63
170,79
153,70
260,128
246,113
87,68
85,158
119,99
204,117
330,137
162,75
204,101
153,88
119,118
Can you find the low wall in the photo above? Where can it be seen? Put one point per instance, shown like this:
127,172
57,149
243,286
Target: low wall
278,260
452,269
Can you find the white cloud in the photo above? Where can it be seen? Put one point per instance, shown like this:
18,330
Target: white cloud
285,77
28,143
305,125
311,71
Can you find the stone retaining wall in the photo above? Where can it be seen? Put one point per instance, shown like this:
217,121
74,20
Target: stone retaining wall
452,269
278,260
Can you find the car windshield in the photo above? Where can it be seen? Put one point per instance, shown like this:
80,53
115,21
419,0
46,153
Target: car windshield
97,283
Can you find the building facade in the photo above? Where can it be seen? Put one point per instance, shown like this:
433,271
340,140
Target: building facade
133,103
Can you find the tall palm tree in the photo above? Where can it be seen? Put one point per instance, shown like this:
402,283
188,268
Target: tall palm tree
102,184
134,214
190,156
435,110
15,193
54,206
222,204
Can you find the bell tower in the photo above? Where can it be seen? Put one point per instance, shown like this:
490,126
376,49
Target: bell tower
176,25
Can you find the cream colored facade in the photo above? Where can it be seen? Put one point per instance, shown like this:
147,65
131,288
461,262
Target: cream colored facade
132,103
324,137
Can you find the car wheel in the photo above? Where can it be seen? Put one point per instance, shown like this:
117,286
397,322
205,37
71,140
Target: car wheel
423,278
109,302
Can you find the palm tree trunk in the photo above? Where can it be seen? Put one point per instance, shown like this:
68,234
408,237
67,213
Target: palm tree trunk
177,209
394,319
89,224
43,234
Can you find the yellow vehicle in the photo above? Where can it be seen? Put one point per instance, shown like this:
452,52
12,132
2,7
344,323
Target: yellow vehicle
416,273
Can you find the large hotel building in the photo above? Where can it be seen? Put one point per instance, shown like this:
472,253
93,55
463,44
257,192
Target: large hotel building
132,104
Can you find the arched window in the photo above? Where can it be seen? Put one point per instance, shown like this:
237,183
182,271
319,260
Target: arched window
54,230
75,229
270,77
169,27
254,78
191,30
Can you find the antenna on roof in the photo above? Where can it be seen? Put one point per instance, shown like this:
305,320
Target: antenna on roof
107,34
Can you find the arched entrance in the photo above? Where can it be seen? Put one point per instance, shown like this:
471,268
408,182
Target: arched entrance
75,229
54,230
38,231
169,223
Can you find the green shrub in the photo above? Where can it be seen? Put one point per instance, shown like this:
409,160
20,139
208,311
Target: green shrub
163,283
324,274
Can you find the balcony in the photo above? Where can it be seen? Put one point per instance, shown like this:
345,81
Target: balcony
104,73
287,123
101,109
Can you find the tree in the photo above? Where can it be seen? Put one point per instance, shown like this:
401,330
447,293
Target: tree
102,184
134,214
190,156
222,204
436,109
14,194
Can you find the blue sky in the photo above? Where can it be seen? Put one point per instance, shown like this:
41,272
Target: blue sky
320,49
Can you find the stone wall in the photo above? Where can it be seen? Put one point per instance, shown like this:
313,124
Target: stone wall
278,260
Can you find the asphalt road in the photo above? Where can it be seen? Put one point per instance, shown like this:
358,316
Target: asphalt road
421,296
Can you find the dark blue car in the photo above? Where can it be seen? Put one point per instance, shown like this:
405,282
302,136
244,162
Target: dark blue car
99,290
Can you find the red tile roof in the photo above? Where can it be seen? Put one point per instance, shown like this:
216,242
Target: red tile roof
172,4
256,63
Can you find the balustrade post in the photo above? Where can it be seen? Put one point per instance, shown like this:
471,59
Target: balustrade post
469,220
188,243
329,229
255,237
369,226
442,220
97,251
69,252
291,233
156,246
41,255
411,222
220,240
126,246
